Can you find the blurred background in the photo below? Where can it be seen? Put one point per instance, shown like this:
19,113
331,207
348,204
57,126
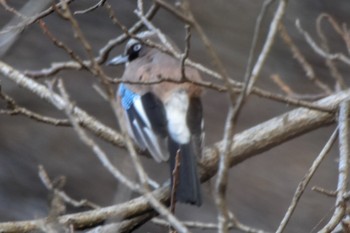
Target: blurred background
260,189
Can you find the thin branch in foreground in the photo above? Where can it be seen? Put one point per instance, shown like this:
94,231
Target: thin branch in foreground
305,181
69,110
14,109
343,168
232,117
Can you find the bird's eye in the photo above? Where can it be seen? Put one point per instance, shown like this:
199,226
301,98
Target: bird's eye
137,47
133,52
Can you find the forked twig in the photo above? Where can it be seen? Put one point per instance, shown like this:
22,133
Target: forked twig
48,184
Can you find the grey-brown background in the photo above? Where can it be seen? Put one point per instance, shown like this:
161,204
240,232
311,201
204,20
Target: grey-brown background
260,189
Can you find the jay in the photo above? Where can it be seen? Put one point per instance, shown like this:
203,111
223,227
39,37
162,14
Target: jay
164,117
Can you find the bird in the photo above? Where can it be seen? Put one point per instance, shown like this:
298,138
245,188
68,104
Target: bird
164,118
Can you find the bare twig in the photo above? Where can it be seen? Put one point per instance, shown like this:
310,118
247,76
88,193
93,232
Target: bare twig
222,178
165,47
61,45
268,43
15,109
329,193
236,224
94,67
34,18
305,181
257,29
343,168
186,52
329,62
48,184
68,107
175,177
232,117
12,10
175,174
297,54
103,52
92,8
293,101
320,51
282,85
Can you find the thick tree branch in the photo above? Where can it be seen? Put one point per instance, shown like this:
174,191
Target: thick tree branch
273,132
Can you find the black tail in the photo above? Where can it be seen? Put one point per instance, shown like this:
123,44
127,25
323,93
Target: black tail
188,187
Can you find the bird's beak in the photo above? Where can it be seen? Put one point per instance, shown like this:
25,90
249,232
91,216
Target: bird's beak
121,59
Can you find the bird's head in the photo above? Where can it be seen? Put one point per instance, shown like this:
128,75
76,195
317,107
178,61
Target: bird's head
134,48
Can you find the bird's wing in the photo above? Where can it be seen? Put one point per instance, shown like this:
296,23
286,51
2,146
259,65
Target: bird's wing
195,122
147,123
